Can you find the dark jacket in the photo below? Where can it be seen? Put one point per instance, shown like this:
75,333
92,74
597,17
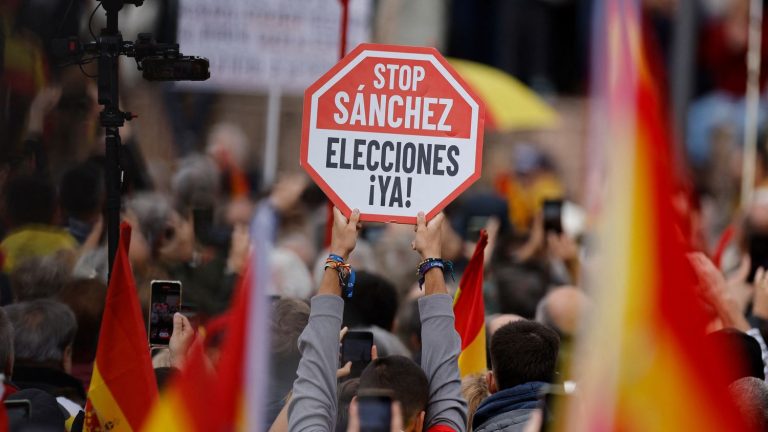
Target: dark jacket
509,409
54,381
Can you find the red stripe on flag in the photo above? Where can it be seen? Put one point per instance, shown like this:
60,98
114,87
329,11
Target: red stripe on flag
122,357
469,308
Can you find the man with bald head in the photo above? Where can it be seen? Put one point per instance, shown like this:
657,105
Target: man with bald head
563,310
497,321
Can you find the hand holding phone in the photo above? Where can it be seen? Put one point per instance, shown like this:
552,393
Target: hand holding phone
356,348
552,211
165,301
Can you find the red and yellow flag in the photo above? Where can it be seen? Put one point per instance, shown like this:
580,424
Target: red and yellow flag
243,367
469,309
646,366
185,404
123,386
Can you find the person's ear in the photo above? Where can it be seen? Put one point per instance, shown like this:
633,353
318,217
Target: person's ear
491,381
66,361
418,424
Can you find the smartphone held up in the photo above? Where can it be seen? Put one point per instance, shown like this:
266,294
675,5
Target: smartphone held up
165,301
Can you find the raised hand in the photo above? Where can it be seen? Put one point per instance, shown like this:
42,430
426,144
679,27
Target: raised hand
181,339
429,236
344,233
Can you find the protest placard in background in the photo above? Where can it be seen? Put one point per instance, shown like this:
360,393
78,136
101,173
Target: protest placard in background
392,130
255,45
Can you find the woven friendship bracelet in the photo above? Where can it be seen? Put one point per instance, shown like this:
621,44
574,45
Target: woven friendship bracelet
430,263
345,271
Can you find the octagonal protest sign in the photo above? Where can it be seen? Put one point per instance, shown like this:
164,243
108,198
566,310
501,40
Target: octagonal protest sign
392,130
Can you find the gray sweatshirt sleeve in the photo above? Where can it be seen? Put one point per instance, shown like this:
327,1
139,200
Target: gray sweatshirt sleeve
440,350
313,404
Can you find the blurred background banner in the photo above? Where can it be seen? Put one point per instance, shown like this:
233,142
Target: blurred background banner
257,45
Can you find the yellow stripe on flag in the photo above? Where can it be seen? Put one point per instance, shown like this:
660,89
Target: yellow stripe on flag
104,404
169,413
473,358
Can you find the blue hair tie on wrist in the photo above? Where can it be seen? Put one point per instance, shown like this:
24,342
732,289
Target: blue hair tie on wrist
430,263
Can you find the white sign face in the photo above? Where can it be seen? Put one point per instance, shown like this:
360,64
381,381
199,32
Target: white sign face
254,45
392,131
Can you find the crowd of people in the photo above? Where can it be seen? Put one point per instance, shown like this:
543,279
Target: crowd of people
194,228
537,293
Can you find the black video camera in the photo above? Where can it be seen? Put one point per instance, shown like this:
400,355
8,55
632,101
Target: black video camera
163,62
157,61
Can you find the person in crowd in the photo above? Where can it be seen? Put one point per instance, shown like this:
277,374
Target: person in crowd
86,298
751,396
30,209
722,50
409,328
474,388
314,402
228,147
82,198
196,183
407,382
373,308
45,413
564,310
523,360
496,322
41,277
44,334
289,317
533,180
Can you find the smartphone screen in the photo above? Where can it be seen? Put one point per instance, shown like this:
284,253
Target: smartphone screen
552,211
165,301
375,412
356,348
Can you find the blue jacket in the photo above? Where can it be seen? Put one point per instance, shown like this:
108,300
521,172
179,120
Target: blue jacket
508,409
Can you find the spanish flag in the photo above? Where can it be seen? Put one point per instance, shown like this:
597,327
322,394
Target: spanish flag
243,367
646,365
186,404
469,309
123,386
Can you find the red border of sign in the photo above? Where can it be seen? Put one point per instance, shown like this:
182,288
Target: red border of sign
337,201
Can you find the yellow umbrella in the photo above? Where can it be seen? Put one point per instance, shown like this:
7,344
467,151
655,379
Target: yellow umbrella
509,104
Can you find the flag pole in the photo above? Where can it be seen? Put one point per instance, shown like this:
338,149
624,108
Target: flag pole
753,101
274,99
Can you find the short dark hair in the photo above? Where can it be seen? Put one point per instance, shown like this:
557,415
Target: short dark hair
374,302
751,397
30,199
404,378
519,288
289,317
82,190
523,351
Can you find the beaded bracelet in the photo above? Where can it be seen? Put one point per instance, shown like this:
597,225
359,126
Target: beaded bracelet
430,263
345,271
